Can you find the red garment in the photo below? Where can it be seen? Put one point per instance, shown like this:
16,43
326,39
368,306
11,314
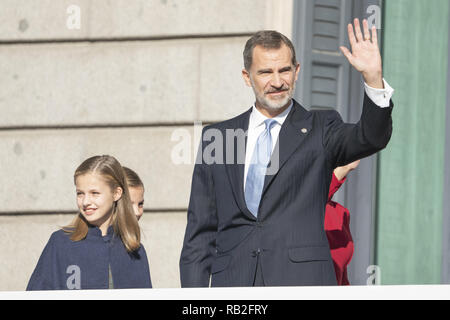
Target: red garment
337,227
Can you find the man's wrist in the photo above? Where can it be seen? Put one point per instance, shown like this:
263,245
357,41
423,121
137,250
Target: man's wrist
374,80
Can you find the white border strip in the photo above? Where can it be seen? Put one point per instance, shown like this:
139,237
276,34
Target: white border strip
434,292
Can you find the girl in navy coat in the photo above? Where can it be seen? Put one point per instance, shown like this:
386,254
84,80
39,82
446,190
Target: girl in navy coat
101,249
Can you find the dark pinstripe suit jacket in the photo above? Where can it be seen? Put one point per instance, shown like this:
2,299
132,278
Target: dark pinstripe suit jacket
223,239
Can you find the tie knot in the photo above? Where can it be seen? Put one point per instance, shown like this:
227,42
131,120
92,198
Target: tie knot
270,123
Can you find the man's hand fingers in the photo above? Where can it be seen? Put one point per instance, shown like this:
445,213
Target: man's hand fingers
366,30
359,35
347,54
351,35
374,35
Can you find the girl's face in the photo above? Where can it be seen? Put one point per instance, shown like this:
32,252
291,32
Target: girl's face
137,199
95,199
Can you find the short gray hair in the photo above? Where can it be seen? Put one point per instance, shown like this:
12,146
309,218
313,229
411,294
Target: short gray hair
268,39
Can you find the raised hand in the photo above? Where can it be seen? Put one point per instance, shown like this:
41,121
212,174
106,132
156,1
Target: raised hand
365,56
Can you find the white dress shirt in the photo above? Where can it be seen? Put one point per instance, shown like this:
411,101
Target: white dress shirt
256,126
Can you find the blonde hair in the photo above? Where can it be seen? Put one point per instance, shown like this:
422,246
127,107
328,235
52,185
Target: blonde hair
124,221
133,179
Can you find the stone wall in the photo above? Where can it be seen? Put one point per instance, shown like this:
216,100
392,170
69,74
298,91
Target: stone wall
122,84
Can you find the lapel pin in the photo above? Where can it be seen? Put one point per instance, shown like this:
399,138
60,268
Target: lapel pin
304,130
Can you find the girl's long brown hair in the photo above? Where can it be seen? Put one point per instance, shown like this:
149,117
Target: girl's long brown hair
124,220
132,178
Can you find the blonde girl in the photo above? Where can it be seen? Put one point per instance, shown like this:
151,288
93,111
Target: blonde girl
101,248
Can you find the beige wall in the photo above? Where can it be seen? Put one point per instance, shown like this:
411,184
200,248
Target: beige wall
134,73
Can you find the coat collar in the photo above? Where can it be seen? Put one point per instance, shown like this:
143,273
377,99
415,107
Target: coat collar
96,233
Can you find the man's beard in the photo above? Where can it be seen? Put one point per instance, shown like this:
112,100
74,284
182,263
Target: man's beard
274,105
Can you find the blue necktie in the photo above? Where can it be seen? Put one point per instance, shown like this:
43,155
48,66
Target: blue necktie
258,167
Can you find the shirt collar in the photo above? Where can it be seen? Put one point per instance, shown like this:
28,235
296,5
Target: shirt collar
257,118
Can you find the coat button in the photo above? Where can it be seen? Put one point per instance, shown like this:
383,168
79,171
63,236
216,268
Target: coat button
255,253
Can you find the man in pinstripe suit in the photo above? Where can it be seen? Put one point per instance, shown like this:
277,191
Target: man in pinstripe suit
253,227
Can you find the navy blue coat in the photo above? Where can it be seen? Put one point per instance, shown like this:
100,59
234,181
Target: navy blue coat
65,264
224,240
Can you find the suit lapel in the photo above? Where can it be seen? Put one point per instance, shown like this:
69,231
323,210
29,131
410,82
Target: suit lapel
291,136
295,129
236,169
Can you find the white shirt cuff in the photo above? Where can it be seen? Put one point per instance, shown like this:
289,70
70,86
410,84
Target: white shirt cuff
381,97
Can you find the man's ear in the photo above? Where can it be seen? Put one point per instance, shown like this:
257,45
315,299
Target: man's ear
246,77
297,71
117,194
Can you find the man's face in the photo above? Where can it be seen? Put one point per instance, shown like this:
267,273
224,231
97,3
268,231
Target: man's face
272,77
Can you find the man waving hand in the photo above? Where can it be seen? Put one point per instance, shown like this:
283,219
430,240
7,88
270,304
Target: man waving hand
257,218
